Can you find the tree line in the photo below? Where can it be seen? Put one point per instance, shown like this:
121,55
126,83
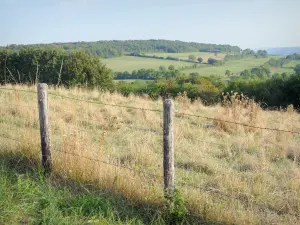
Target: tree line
273,90
77,68
107,49
53,66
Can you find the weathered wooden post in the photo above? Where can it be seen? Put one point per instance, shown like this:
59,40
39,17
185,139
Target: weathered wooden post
44,126
168,142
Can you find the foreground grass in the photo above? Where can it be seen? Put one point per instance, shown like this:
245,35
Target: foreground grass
247,176
28,197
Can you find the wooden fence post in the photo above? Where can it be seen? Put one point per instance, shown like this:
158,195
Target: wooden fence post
168,142
44,126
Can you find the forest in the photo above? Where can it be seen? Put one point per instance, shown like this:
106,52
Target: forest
107,49
55,67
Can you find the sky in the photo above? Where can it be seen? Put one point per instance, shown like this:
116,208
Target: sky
245,23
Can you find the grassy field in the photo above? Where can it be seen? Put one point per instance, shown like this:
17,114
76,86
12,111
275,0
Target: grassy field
185,55
130,63
27,197
247,176
288,68
235,66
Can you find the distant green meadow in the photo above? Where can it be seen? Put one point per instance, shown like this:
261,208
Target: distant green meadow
130,63
234,66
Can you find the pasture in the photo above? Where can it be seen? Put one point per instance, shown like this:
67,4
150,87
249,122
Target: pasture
130,63
235,66
185,55
226,173
287,68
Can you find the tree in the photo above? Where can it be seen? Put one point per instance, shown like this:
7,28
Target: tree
162,68
211,61
261,54
297,69
171,67
192,57
227,72
200,60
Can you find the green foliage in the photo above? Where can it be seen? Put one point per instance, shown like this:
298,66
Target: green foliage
27,197
297,69
294,56
174,83
277,90
215,62
200,60
175,210
192,57
227,72
107,49
171,67
261,54
276,63
211,61
148,74
45,65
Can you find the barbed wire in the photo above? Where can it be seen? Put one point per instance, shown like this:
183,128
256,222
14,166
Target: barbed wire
107,104
232,122
111,164
18,105
157,110
245,199
143,129
9,138
14,89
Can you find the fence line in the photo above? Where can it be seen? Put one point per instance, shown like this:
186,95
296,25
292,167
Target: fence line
157,110
107,104
168,164
14,89
25,106
241,124
111,164
9,138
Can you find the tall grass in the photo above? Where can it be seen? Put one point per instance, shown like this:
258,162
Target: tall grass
247,176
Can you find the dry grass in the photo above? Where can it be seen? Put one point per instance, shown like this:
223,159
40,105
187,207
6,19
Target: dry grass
257,171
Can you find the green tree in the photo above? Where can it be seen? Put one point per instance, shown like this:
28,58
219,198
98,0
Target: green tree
297,69
227,72
162,68
192,57
211,61
171,67
200,60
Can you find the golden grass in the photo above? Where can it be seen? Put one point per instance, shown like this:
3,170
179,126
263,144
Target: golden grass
248,176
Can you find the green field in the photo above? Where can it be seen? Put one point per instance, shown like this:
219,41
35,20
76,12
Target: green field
235,66
288,68
130,63
185,55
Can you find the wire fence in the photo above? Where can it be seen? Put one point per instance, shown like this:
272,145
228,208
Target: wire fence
144,173
156,110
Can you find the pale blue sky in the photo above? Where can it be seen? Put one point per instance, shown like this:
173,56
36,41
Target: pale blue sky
246,23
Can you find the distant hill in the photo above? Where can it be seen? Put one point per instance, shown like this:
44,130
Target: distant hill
283,51
108,49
